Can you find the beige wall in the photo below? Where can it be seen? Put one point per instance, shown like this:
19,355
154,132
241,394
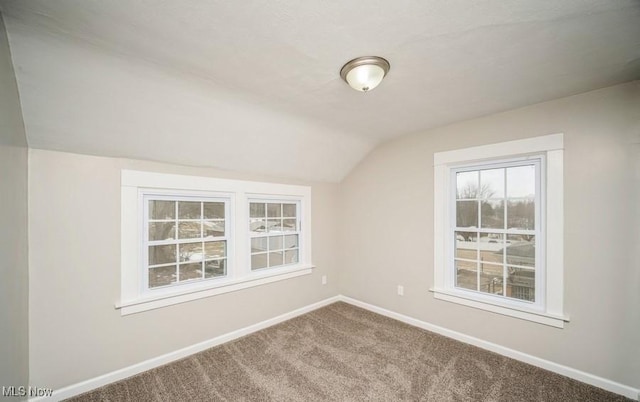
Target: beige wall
76,333
387,230
377,225
14,270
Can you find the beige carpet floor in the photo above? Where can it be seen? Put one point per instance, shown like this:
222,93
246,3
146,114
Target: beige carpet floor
344,353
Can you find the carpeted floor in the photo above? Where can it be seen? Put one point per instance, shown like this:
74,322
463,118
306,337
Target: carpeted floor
344,353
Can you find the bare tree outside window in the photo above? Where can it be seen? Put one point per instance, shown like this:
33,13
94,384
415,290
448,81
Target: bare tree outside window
494,231
186,241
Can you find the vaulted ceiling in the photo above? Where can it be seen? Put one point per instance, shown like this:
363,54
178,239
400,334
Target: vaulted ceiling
254,85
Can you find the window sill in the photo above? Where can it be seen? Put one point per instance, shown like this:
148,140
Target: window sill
220,287
539,317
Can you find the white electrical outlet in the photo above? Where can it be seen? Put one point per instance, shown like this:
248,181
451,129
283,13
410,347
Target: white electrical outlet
400,290
324,279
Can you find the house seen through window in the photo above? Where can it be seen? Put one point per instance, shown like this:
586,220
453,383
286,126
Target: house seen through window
498,228
495,229
189,237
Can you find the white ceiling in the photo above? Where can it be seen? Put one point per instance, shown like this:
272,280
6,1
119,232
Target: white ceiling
255,86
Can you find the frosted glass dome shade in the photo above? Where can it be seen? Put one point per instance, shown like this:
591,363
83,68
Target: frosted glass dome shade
365,73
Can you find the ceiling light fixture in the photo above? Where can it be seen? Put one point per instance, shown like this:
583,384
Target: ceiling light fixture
365,73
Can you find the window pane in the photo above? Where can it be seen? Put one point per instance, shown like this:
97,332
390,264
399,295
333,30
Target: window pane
291,257
275,242
259,244
289,210
274,210
467,185
259,261
291,241
186,224
492,214
214,210
189,210
492,183
467,245
190,271
521,214
213,269
467,214
521,250
162,276
162,231
289,225
189,230
191,252
258,225
162,254
491,245
275,225
276,259
521,284
257,210
162,209
466,275
213,228
491,278
521,181
215,249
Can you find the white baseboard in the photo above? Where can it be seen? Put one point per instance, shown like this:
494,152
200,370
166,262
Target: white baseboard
93,383
587,378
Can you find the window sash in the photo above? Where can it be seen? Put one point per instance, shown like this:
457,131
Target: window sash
539,269
269,235
135,298
146,197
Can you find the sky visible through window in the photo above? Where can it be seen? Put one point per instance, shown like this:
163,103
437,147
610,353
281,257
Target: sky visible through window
520,182
496,252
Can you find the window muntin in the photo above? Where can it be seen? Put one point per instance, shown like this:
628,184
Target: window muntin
548,307
494,251
171,227
274,228
185,240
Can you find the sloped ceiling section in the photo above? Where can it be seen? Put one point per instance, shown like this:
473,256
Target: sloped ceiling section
77,98
254,86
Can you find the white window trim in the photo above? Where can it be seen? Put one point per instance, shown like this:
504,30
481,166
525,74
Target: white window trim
552,146
134,299
539,232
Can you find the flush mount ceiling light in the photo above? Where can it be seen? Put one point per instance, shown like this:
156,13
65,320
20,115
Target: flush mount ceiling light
365,73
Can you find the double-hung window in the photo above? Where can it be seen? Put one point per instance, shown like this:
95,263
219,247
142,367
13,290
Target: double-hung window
275,233
496,225
187,237
185,240
498,228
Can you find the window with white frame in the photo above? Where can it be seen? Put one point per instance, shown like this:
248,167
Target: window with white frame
187,237
498,228
495,226
275,233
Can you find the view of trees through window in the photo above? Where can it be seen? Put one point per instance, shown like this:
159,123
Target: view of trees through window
495,233
185,241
